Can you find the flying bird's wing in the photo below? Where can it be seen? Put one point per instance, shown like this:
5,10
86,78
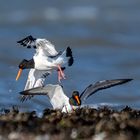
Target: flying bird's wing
42,46
28,42
48,90
45,48
36,78
93,88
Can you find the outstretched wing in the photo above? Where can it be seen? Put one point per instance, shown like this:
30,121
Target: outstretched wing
36,78
28,42
42,46
48,90
93,88
45,47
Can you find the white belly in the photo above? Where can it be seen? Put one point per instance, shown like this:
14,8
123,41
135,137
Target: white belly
43,63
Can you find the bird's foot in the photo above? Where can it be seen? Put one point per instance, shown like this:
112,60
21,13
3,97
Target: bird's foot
61,74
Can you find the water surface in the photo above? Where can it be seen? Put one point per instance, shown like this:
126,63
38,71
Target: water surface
104,37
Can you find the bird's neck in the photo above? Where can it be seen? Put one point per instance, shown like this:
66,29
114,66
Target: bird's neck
30,64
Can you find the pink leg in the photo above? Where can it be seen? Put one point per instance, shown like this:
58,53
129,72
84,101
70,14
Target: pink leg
62,75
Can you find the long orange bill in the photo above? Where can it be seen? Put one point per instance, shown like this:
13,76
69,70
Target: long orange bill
19,73
78,100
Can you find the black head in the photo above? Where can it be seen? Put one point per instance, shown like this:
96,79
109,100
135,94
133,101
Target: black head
25,64
75,99
75,93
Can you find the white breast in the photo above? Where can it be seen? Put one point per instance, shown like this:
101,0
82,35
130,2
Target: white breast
58,99
42,63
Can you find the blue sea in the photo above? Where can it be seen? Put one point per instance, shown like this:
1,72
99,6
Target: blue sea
104,37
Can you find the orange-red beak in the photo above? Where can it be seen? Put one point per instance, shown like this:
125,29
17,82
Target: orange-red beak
78,100
19,73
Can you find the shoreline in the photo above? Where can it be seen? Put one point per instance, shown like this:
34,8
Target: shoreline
84,123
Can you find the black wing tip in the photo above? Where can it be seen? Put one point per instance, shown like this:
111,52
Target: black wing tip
24,93
127,80
30,37
70,62
69,54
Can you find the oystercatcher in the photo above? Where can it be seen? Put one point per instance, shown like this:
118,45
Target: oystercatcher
46,57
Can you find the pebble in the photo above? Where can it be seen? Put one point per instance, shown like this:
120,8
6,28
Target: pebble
84,123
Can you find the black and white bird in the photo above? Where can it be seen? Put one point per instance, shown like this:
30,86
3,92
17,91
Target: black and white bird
46,57
60,100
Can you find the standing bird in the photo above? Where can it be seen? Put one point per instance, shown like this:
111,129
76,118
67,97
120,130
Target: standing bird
59,100
46,57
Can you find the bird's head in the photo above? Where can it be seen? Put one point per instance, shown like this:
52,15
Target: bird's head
24,64
75,99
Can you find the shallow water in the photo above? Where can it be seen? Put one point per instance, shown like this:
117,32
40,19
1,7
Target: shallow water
104,37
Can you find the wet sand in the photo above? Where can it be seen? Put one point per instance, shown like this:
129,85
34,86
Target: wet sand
95,124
